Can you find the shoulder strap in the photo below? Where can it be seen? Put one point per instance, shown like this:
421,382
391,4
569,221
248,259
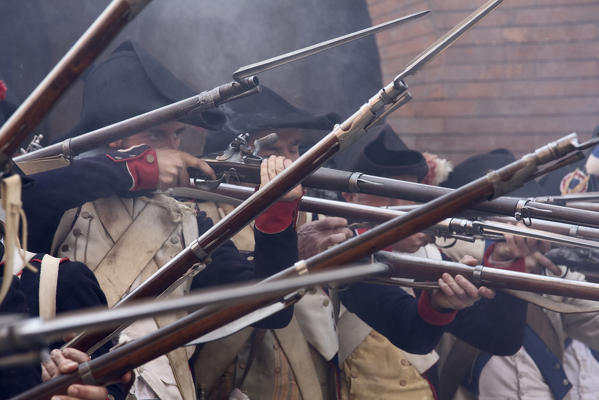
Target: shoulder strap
214,358
129,251
456,367
48,284
300,359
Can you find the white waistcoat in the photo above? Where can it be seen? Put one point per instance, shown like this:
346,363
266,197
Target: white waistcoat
124,241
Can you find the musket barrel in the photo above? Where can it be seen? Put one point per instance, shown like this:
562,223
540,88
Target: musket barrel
346,181
91,140
74,62
418,268
555,232
110,366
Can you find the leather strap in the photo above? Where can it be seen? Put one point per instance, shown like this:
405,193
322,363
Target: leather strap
215,357
154,225
48,284
456,367
300,359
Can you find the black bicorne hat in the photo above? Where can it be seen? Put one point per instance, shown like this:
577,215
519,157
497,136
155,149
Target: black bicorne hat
265,111
480,164
131,82
268,110
6,110
388,156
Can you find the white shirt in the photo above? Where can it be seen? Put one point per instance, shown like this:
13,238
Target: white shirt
513,377
582,369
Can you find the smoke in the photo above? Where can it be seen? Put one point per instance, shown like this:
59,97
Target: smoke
203,42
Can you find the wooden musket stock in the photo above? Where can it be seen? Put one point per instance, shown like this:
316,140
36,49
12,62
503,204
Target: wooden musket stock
78,58
423,269
103,136
209,318
543,230
200,250
387,233
344,181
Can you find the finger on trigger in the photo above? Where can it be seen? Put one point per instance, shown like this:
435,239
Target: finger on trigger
201,165
547,263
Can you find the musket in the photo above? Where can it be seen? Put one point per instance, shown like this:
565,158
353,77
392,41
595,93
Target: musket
584,205
203,101
456,228
568,198
74,62
244,167
20,334
110,366
207,319
244,84
423,269
555,227
389,98
583,260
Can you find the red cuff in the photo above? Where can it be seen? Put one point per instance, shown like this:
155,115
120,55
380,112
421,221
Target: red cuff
142,167
429,314
278,217
518,265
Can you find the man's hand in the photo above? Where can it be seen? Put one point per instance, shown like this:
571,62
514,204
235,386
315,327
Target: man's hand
271,167
317,236
66,361
172,168
458,293
412,243
531,249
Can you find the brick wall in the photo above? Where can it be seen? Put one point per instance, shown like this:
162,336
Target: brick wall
527,74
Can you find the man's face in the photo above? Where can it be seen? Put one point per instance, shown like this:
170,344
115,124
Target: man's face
379,201
287,145
165,136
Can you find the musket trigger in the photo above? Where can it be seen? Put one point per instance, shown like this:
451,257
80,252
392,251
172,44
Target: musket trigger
446,246
523,212
231,177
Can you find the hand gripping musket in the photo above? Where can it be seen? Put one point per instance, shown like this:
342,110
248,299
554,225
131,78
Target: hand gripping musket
238,164
75,61
390,97
423,269
18,334
244,84
203,321
456,228
69,148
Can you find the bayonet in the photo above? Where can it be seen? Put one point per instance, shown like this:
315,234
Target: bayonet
447,40
277,61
